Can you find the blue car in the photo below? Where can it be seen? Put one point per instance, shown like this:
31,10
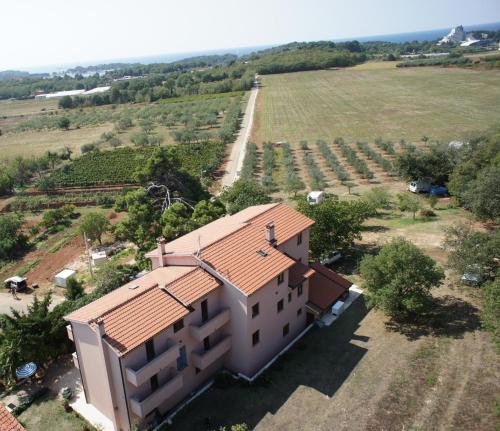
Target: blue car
438,191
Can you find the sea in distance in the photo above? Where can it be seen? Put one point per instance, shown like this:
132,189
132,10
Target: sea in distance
428,35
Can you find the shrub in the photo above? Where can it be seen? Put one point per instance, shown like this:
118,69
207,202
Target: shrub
427,213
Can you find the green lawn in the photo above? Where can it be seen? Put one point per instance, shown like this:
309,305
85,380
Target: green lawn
363,103
48,414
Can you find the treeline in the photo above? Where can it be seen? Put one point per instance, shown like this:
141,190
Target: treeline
303,59
439,61
158,86
24,88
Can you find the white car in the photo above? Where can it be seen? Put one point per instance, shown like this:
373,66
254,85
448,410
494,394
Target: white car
331,257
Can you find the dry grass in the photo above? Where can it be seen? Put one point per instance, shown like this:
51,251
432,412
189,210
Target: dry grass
36,143
376,99
10,108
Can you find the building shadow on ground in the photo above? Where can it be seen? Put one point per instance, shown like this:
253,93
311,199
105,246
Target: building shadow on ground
450,317
322,360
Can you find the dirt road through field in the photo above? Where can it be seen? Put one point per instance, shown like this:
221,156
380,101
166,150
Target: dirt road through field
235,161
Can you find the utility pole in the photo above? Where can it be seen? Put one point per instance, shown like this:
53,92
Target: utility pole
89,257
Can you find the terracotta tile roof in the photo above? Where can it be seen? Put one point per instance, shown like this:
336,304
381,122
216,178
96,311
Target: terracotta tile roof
332,275
326,287
8,422
193,286
212,232
287,222
135,322
238,259
123,294
298,273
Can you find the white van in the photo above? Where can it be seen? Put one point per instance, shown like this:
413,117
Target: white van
419,187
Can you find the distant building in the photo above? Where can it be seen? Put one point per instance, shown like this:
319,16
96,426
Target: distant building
456,35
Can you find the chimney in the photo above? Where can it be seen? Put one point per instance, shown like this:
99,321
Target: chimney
161,251
270,238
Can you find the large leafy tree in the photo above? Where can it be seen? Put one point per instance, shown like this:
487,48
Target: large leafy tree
433,166
207,211
176,221
469,248
95,225
242,194
337,224
399,279
12,240
142,226
482,196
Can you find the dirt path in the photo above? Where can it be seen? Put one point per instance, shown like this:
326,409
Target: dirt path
237,155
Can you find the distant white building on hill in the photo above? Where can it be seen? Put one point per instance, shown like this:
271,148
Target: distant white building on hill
456,35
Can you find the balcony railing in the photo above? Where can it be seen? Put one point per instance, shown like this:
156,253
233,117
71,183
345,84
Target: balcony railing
142,407
75,360
199,332
70,332
138,375
203,360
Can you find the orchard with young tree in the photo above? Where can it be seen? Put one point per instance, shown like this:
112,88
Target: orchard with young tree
399,279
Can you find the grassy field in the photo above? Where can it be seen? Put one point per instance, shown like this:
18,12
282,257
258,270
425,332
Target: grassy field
376,99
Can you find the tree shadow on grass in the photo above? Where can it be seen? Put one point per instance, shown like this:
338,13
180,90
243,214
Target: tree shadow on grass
322,360
374,228
450,317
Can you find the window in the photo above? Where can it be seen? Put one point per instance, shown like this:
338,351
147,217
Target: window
255,310
299,290
289,296
204,310
255,338
281,278
150,349
299,312
182,359
299,238
286,329
279,306
178,325
154,382
206,343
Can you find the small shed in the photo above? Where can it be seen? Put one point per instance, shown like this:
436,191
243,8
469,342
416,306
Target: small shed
99,258
64,276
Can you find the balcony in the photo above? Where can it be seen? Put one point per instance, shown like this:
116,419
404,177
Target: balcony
199,332
203,360
75,360
138,375
143,407
70,332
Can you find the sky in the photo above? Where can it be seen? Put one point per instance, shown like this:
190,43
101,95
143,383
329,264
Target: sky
37,33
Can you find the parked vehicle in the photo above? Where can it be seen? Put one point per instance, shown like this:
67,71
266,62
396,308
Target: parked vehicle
331,257
438,191
419,186
473,276
17,283
315,197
